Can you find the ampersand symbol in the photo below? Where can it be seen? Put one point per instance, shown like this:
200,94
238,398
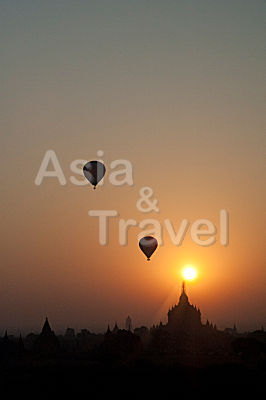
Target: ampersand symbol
151,205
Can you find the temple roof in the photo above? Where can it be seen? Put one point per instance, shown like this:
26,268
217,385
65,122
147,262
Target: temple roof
46,327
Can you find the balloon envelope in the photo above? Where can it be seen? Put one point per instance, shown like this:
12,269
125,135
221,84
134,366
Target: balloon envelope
94,171
148,245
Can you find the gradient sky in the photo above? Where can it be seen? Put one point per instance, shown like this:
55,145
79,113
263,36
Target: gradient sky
176,87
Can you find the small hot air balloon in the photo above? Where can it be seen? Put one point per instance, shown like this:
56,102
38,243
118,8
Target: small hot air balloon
94,171
148,245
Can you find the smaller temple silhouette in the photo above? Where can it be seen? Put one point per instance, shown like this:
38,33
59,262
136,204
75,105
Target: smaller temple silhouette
47,342
120,343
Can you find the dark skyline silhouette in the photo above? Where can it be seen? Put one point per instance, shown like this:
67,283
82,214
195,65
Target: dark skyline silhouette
183,346
184,320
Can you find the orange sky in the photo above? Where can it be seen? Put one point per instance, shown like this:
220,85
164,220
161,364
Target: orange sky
172,88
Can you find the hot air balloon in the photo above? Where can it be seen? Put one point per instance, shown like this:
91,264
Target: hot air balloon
94,171
148,245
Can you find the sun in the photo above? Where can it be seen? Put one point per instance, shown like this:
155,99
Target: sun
189,273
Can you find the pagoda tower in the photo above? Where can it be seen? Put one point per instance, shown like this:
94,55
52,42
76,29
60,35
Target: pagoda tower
184,317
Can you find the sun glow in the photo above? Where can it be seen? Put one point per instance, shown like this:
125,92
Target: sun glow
189,273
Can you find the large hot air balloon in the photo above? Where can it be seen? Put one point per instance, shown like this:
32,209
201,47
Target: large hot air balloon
148,245
94,171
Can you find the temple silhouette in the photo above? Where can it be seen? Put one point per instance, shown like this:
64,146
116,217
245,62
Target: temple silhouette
184,316
47,342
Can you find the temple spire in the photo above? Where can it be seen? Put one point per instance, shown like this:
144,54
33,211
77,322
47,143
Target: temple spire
183,297
46,327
